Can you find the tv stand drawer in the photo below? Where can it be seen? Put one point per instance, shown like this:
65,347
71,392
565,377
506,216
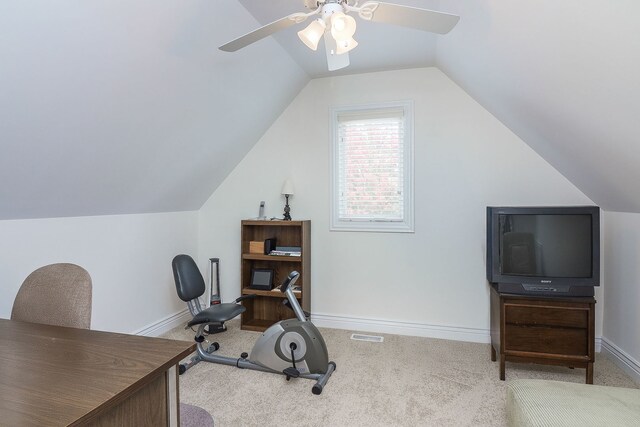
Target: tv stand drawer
548,314
546,340
545,330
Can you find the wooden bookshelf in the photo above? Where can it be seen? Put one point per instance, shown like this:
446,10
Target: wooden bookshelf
267,308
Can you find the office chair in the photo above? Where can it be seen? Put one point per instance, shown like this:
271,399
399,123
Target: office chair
56,294
190,287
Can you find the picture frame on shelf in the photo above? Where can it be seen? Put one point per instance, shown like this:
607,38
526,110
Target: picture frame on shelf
261,279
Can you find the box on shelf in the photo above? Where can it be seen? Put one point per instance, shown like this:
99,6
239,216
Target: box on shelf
256,247
262,247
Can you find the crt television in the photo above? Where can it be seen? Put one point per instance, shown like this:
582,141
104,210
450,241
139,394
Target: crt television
550,251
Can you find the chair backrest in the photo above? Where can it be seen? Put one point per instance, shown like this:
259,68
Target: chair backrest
189,281
56,294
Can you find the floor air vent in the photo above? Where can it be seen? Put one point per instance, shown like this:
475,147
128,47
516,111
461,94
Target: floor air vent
369,338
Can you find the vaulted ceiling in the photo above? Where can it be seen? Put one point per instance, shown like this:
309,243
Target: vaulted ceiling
110,107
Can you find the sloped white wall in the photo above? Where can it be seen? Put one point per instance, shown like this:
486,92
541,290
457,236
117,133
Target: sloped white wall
562,76
622,277
128,258
427,281
135,98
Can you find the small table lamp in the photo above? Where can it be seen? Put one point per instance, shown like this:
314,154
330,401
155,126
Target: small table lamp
287,190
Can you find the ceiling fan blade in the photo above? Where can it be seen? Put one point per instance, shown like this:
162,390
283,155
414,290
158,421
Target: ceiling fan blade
263,32
413,17
334,61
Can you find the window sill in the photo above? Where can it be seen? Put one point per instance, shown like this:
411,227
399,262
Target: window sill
373,227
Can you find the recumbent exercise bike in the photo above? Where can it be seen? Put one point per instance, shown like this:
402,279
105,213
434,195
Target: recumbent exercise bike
292,347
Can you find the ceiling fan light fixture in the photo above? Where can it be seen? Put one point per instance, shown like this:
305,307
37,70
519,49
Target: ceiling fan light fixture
311,35
343,27
333,20
345,45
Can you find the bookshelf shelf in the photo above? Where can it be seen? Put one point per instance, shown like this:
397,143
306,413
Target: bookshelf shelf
272,294
256,257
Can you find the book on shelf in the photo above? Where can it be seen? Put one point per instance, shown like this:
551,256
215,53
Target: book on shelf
285,253
289,248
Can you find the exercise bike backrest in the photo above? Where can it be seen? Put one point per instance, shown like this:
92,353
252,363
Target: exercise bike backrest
189,282
287,289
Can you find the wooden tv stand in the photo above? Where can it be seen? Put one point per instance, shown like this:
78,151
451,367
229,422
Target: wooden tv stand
545,330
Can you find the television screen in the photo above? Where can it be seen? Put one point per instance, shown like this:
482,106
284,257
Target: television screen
545,245
544,250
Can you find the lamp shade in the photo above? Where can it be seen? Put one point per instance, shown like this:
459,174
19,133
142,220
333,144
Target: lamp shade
287,187
345,45
313,33
343,27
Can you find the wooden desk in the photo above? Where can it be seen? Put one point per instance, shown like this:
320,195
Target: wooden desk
55,376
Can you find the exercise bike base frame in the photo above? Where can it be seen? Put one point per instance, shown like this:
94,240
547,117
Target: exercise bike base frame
184,367
321,379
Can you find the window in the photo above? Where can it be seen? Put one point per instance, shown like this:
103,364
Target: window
371,162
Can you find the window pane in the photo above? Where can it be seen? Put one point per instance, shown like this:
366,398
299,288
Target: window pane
372,178
371,165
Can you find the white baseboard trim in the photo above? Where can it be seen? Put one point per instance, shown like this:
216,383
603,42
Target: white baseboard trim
456,333
622,359
165,325
402,328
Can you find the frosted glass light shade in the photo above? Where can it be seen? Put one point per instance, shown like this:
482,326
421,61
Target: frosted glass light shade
313,33
343,27
345,45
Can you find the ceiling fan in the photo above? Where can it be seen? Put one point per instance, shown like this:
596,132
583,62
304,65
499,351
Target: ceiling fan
337,27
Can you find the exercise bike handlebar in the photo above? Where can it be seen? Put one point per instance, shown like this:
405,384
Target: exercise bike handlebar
289,281
287,289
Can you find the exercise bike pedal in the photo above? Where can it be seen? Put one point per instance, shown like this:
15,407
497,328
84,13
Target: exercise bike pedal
291,372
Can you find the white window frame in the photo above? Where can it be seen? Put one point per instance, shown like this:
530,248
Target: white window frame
374,224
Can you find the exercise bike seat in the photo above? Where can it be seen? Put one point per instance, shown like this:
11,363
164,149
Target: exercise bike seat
218,313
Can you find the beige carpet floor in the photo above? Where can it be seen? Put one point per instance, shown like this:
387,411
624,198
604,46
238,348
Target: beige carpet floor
404,381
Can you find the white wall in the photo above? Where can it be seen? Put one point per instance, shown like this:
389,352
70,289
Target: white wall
431,282
562,76
88,88
622,276
128,258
